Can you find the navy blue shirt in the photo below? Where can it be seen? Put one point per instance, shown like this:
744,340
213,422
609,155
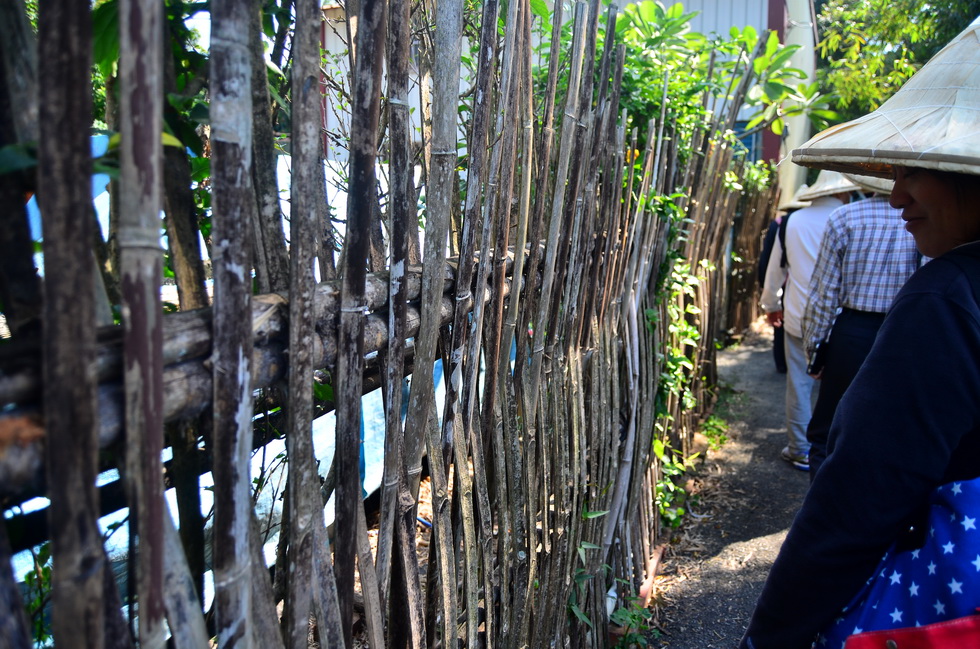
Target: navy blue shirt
909,422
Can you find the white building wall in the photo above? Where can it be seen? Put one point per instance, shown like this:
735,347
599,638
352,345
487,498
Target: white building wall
719,16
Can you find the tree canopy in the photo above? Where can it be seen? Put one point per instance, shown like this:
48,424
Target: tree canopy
869,48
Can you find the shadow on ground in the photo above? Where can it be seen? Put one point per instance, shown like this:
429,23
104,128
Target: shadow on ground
716,563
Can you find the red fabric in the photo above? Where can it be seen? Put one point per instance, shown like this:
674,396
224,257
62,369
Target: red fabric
961,633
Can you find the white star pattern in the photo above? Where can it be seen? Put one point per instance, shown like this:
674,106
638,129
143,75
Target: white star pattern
934,581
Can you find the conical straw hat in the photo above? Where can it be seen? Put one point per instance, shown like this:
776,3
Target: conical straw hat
872,183
933,121
828,183
795,203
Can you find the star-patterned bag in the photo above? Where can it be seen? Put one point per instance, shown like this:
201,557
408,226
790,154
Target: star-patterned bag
936,582
961,633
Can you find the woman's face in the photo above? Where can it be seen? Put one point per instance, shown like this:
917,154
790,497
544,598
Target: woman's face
941,211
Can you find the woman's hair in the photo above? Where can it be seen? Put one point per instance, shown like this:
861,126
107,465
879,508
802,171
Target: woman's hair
959,181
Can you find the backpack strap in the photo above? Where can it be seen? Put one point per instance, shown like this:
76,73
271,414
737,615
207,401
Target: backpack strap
783,261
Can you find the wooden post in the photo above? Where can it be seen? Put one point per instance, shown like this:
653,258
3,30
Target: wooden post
69,388
141,109
232,203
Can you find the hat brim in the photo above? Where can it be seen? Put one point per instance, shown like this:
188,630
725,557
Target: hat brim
872,184
932,122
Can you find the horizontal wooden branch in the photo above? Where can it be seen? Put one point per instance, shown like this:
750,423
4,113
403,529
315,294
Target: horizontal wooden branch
187,372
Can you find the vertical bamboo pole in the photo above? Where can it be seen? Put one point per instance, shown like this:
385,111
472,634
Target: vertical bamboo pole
527,441
398,577
232,201
449,16
141,109
304,501
561,176
365,115
542,176
69,389
187,628
271,258
458,420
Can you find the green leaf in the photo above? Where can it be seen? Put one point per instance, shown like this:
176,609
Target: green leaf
200,168
540,9
275,69
590,546
772,44
587,514
169,140
201,113
17,157
323,391
782,56
105,36
580,615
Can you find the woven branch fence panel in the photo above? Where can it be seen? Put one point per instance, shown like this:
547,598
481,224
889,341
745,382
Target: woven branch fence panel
548,321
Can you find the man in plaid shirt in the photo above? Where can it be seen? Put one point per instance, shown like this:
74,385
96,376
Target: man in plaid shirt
865,257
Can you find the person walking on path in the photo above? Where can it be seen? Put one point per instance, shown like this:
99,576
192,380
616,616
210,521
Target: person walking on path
803,233
866,256
904,444
772,232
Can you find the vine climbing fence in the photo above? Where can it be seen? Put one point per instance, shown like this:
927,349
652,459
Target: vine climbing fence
572,285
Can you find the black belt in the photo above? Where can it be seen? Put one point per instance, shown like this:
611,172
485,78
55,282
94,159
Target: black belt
860,318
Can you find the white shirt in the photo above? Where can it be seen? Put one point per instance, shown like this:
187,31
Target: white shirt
804,233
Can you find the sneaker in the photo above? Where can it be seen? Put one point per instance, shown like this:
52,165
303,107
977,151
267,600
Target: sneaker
801,462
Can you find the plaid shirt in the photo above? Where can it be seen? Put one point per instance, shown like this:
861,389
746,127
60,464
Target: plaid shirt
865,257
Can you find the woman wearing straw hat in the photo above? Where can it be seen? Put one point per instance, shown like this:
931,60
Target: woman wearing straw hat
901,477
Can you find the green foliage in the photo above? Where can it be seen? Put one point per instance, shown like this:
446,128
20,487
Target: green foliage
578,594
715,429
38,583
871,47
670,495
323,391
634,620
757,176
697,74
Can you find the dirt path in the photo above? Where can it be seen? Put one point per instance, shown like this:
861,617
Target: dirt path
747,496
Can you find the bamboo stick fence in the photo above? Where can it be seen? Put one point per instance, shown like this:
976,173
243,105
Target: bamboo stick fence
542,472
